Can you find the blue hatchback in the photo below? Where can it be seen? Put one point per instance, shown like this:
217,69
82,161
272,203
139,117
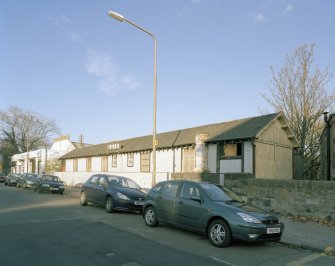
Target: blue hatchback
113,192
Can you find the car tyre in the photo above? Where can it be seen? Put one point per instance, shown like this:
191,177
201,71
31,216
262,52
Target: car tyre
109,205
83,199
219,234
39,190
150,216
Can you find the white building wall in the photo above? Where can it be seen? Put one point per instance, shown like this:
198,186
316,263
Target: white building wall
96,164
248,157
231,166
63,145
164,160
212,155
168,161
82,165
137,163
69,165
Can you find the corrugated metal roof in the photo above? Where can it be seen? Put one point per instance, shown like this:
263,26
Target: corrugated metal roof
246,128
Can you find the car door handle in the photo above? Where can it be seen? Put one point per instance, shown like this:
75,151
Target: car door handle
180,202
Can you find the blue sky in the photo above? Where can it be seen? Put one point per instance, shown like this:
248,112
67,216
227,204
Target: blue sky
71,62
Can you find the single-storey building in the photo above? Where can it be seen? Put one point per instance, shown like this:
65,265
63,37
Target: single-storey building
262,146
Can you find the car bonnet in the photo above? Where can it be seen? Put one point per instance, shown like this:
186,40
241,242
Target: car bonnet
248,209
130,192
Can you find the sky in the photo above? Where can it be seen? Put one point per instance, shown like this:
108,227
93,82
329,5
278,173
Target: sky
93,75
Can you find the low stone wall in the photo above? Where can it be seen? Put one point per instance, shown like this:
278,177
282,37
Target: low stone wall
313,200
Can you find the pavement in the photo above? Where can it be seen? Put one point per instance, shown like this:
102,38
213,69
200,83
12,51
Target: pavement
304,235
311,236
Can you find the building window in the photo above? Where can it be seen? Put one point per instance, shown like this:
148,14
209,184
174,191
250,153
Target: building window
88,164
75,165
114,160
130,159
232,150
104,163
63,166
145,161
188,159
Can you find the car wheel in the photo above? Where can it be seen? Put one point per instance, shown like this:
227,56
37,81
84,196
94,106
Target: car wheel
83,198
109,205
39,190
60,192
219,234
150,216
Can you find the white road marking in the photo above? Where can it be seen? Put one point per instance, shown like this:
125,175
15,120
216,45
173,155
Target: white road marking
304,260
222,261
140,231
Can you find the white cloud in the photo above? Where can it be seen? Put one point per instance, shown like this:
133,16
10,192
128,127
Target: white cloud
64,24
258,18
111,81
288,9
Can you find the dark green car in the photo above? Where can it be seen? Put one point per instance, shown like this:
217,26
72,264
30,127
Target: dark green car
210,209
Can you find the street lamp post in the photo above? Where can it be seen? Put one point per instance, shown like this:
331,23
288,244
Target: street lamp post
154,140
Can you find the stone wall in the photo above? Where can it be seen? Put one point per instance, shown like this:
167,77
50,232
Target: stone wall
297,198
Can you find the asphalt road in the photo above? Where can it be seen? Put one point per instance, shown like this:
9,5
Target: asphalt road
49,229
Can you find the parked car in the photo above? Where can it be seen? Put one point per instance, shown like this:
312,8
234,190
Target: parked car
12,179
112,192
27,180
2,177
210,209
49,183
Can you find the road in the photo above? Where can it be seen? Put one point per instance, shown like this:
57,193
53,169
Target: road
49,229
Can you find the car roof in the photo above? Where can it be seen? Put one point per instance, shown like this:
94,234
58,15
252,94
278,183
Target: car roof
185,181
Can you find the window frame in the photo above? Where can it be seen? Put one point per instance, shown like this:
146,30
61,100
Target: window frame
130,159
145,157
88,164
104,163
75,165
114,160
238,152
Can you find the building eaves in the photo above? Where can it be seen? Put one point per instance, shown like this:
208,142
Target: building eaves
246,128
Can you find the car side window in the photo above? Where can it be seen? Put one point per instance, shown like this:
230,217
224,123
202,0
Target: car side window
103,181
94,180
190,191
170,189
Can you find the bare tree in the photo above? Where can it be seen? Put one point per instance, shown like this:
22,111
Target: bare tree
299,90
22,131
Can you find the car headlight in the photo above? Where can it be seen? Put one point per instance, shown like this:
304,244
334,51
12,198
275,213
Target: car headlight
61,186
45,185
121,196
248,218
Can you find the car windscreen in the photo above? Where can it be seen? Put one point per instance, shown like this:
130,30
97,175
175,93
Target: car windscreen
51,178
132,184
219,193
31,176
118,181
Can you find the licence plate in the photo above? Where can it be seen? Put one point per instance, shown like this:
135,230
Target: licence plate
53,188
275,230
139,202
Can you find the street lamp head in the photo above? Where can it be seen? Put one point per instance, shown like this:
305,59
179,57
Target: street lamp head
116,16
